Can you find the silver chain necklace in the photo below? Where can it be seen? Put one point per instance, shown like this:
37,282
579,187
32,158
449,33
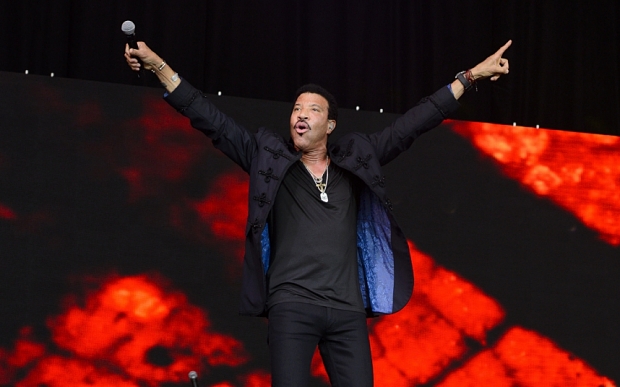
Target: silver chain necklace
319,181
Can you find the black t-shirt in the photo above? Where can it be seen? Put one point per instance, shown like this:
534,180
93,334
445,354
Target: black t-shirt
313,243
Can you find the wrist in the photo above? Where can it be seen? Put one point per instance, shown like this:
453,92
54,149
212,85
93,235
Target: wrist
476,73
153,63
467,79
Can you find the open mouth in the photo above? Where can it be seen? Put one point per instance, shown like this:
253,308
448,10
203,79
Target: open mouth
301,127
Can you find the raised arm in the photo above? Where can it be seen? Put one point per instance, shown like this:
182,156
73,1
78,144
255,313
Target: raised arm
232,139
492,67
154,63
432,110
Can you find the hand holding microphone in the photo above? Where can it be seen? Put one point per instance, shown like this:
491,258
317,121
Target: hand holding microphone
139,56
129,29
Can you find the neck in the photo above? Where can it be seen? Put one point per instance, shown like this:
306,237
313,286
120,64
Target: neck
314,157
316,162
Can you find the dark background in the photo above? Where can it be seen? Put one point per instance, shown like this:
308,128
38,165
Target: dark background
565,59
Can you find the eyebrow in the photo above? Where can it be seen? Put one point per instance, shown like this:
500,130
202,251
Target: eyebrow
312,104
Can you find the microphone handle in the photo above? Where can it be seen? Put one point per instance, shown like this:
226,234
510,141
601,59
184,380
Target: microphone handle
131,41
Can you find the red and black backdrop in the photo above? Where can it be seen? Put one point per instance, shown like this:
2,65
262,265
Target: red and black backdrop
121,227
121,241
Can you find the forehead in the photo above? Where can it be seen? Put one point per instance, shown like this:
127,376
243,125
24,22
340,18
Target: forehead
311,99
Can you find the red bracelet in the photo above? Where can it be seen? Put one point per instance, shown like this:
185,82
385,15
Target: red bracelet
470,77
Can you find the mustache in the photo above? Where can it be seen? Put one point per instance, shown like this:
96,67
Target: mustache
301,120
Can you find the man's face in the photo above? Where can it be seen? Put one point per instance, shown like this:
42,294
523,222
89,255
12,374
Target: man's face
309,123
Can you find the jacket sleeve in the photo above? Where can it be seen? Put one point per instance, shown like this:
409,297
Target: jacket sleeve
232,139
427,114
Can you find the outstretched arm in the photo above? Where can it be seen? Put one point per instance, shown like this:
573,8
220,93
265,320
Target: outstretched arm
229,137
152,62
492,67
432,110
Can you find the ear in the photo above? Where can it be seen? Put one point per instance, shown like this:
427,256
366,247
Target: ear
331,125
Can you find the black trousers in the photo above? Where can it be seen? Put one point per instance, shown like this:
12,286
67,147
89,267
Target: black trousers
295,329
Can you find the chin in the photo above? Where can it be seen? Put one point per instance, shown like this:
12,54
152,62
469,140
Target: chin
298,145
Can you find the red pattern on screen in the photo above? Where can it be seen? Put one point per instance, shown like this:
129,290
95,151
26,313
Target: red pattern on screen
105,340
163,151
163,147
426,341
578,171
225,211
524,358
104,337
7,213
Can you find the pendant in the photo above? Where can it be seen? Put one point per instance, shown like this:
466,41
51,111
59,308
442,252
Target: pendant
324,197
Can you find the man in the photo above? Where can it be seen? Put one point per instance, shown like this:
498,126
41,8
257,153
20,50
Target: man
323,251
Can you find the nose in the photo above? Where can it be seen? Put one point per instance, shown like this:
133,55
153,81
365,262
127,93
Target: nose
301,115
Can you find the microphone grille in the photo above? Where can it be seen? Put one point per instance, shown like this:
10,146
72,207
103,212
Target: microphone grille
128,27
193,375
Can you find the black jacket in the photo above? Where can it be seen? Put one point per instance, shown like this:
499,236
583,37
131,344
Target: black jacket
385,272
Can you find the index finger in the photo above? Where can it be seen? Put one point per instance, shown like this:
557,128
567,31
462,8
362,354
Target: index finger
503,48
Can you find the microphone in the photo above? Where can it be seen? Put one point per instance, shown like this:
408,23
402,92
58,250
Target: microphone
129,29
193,377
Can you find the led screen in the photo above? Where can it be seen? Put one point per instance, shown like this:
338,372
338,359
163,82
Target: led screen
122,238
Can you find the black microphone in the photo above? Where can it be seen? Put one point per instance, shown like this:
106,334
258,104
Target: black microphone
193,376
129,29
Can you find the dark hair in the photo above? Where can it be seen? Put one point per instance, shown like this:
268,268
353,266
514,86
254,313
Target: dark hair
332,105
